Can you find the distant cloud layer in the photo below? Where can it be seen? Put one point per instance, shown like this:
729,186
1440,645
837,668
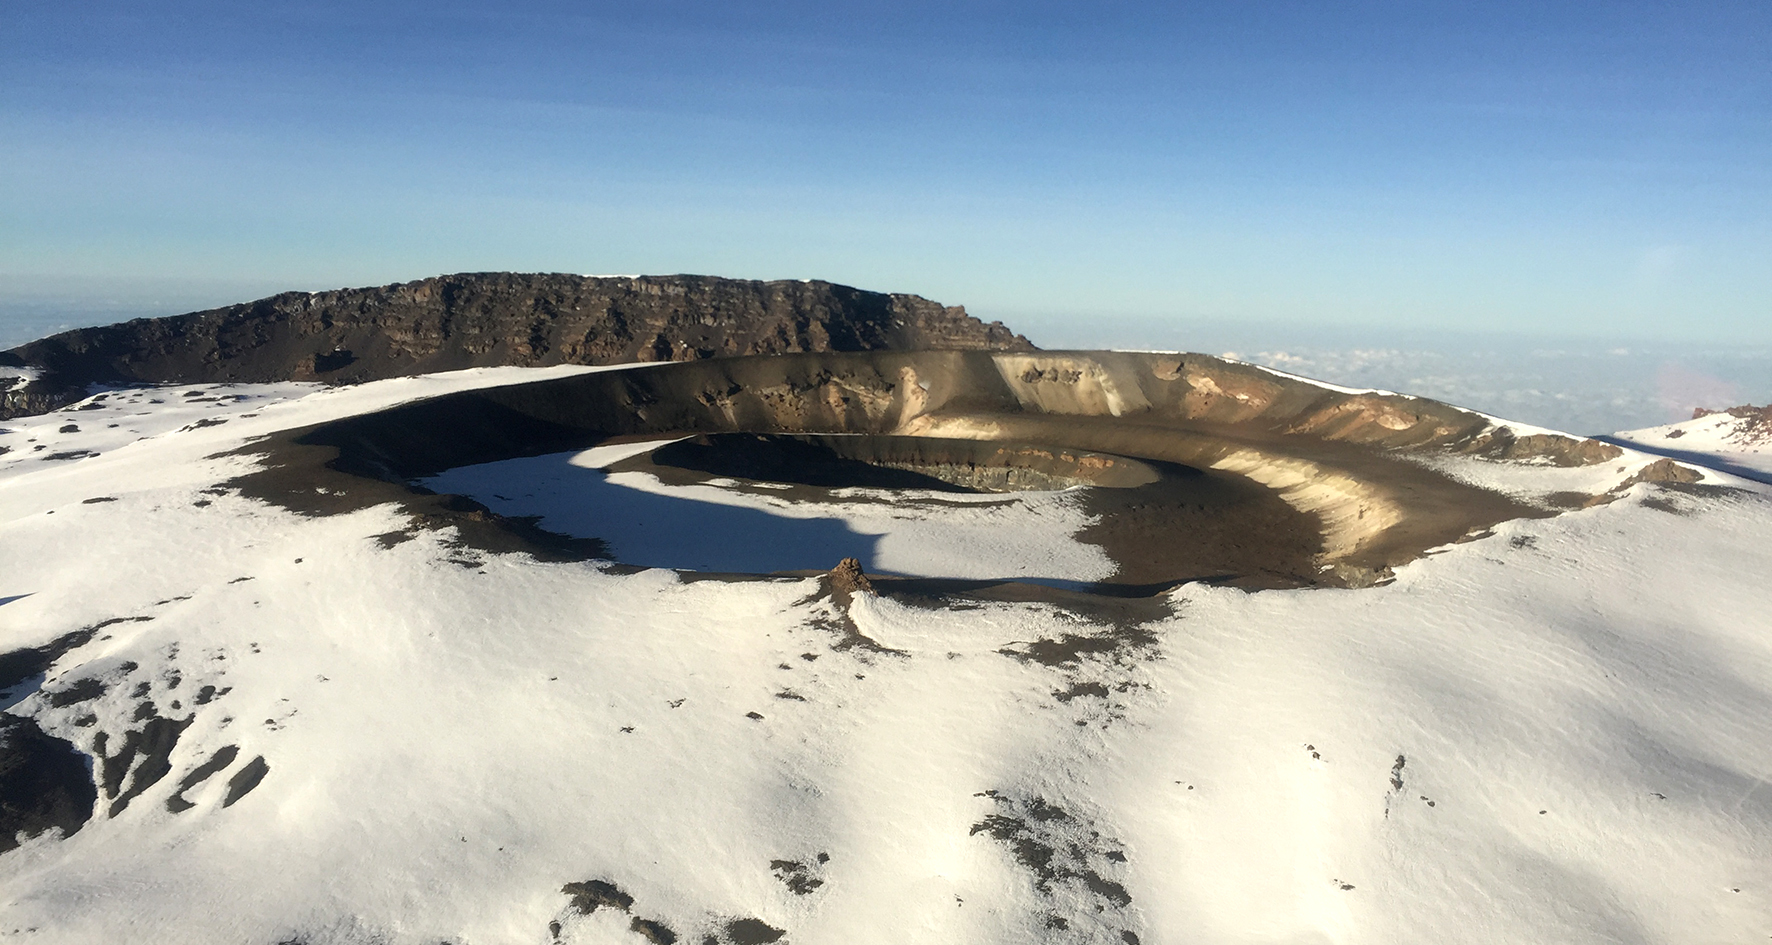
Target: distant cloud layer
1584,386
1580,391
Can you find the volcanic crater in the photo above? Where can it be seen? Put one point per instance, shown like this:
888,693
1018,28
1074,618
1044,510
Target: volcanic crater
1187,467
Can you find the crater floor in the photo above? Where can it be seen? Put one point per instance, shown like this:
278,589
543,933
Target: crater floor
658,516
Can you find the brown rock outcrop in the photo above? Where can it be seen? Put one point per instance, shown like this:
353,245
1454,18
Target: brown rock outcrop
847,578
1662,470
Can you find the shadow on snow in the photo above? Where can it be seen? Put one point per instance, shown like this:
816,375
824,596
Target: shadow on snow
653,530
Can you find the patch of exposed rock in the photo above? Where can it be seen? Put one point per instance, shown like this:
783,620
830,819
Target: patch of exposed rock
847,578
19,397
1756,425
1744,411
1662,470
469,320
1556,449
44,783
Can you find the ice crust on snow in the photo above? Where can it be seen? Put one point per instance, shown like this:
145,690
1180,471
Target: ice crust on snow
451,736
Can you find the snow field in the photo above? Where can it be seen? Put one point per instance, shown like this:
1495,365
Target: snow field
447,732
1607,660
1719,439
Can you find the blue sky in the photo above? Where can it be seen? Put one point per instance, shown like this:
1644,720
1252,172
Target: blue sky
1586,170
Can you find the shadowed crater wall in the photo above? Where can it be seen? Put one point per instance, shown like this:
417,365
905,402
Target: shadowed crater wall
901,462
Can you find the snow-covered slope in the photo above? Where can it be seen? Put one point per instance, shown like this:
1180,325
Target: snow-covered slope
1738,440
1561,732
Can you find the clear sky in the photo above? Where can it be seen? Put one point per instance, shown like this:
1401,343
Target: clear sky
1591,169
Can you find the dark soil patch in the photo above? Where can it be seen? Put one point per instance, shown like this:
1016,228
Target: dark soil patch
80,691
217,763
1101,603
1066,856
653,931
146,752
244,780
1095,689
1708,491
752,932
1662,505
799,877
593,894
1072,648
19,666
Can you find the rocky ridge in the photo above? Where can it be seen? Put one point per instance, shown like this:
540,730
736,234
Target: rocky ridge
481,320
1756,425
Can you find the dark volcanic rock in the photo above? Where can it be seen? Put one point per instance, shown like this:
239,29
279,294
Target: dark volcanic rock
19,398
1554,448
43,783
483,319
